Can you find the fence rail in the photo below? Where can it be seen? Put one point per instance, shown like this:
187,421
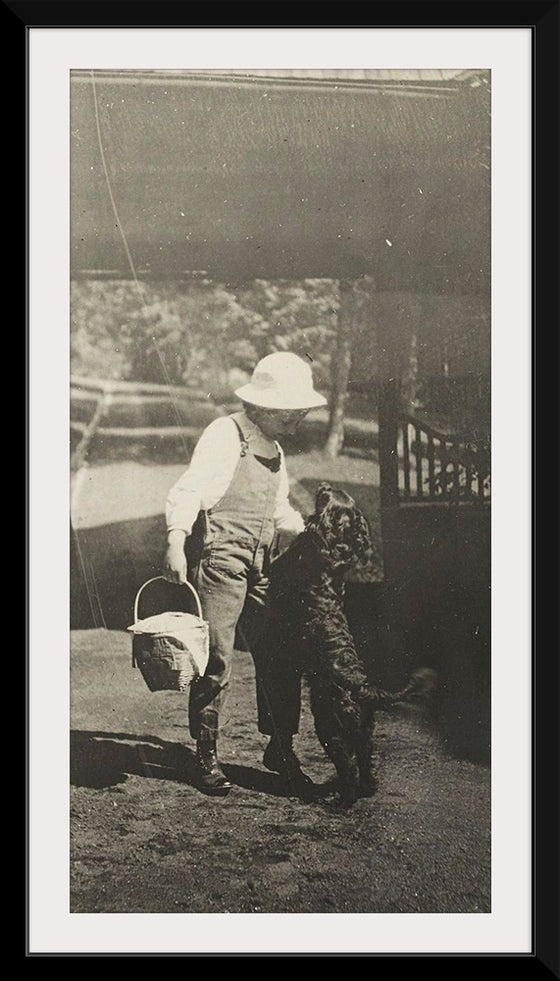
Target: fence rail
103,395
120,387
137,432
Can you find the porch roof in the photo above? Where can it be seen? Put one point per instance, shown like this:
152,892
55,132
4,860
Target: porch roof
282,175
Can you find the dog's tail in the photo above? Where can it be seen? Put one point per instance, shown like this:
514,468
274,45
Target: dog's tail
417,691
421,686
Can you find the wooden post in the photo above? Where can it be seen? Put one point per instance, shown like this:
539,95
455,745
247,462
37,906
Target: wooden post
388,414
83,446
443,466
431,466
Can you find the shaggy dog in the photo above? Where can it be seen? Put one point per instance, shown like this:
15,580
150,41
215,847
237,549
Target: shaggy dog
305,617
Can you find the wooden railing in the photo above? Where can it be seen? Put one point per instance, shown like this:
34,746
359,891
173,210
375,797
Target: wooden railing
93,403
436,466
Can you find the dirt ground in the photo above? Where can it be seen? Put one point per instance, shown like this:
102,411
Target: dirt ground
144,839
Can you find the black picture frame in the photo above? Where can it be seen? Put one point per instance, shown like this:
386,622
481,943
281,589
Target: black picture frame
543,20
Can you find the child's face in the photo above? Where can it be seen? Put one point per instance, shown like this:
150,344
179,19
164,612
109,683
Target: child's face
278,422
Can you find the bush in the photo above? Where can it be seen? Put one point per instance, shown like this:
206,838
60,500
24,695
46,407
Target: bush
200,335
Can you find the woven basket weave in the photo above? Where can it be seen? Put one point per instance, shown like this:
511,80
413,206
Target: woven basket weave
170,659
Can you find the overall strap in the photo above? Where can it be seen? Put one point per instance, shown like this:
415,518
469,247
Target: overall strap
244,445
272,465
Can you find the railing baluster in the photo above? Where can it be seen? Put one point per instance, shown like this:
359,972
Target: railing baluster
456,470
406,461
468,474
418,448
431,466
480,482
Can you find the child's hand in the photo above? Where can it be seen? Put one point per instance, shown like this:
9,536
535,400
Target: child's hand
175,561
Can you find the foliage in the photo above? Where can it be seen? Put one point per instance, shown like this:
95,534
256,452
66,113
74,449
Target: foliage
198,334
208,336
295,316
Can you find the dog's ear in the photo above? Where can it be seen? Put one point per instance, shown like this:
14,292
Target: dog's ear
323,496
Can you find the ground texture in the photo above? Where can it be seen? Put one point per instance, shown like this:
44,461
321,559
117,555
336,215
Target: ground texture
144,839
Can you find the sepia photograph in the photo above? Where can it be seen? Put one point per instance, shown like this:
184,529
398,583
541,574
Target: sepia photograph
281,670
281,496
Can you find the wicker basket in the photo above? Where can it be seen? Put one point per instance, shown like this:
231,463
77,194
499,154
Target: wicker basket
170,649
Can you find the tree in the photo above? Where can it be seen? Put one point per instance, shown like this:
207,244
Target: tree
298,316
341,361
355,318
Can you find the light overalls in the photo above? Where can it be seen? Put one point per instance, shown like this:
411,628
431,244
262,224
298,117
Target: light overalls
228,556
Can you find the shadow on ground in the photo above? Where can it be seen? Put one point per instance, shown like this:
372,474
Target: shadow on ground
104,759
108,564
101,759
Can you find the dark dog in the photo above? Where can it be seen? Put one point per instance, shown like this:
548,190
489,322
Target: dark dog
305,615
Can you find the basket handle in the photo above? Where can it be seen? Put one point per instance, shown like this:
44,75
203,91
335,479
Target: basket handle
147,583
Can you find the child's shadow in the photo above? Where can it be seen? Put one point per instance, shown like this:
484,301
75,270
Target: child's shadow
104,759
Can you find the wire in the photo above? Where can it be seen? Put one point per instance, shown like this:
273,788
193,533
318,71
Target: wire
129,256
92,593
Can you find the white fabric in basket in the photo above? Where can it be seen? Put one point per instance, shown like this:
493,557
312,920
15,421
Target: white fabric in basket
186,629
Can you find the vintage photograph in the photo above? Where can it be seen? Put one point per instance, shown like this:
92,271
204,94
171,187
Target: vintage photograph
280,502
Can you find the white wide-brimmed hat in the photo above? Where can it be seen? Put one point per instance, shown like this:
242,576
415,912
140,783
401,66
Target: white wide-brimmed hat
281,381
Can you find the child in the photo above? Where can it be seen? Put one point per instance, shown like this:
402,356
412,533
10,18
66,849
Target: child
222,518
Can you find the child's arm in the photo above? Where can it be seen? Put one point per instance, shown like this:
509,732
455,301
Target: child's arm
211,468
288,522
175,560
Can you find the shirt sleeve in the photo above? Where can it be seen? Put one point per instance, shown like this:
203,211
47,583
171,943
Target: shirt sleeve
208,475
286,519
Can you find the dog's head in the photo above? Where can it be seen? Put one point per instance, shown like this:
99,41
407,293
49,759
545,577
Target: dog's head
341,529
